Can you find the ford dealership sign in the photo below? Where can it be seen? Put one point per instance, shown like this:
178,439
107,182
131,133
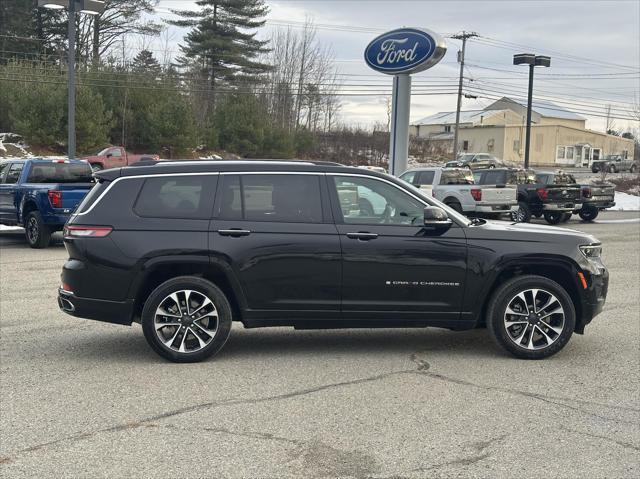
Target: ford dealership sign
406,50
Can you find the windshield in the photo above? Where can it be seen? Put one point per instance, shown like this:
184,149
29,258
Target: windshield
54,172
104,152
466,157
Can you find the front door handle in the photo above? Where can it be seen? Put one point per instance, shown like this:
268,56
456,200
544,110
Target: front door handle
235,232
362,236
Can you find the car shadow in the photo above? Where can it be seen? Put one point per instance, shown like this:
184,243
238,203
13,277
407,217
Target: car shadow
15,238
267,343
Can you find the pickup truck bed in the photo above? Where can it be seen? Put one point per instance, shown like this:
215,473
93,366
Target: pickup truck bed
456,188
40,195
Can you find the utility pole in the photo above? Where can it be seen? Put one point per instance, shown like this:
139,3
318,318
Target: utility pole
461,36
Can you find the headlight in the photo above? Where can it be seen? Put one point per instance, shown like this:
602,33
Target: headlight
591,251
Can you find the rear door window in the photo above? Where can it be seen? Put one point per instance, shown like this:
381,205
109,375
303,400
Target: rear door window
189,197
271,197
13,175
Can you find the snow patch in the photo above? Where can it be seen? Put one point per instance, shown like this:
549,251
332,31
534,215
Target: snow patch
626,202
9,228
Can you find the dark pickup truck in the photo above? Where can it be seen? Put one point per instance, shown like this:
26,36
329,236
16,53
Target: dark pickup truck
40,195
551,199
594,198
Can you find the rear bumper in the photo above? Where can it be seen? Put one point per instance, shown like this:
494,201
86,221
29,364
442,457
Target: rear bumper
56,220
565,206
96,309
601,205
496,207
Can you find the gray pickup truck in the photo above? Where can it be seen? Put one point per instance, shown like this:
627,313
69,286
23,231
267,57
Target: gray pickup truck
455,188
614,164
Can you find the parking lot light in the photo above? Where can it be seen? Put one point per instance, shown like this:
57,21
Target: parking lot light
533,61
90,7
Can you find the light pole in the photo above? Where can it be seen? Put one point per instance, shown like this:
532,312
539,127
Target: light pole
90,7
533,61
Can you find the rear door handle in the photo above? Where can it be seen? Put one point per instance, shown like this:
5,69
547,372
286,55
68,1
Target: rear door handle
362,236
234,232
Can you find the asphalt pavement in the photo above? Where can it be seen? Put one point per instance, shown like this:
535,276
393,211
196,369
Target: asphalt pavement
84,399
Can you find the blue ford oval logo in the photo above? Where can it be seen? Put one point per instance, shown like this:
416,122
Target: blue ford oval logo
406,50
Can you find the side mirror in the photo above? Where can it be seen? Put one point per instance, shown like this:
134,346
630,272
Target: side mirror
436,217
109,155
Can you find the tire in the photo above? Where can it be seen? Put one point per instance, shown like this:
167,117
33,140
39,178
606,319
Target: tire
589,213
566,217
553,217
537,336
96,167
612,169
455,206
37,233
172,346
633,169
595,169
491,167
523,215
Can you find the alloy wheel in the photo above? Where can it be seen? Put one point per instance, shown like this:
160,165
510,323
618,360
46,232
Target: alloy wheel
186,321
534,319
32,230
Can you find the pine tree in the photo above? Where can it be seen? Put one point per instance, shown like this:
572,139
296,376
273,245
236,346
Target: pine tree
145,62
220,44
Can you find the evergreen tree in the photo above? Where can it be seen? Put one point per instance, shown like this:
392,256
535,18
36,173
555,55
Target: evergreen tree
220,44
145,62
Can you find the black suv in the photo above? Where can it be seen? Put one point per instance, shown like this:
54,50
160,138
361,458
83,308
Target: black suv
186,248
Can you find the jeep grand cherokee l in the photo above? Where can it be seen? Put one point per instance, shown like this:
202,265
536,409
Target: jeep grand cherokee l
185,248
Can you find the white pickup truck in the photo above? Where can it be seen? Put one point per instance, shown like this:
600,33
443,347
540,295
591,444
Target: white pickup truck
455,187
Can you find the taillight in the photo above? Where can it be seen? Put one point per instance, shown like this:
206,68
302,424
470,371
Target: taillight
55,198
476,193
543,193
586,192
87,231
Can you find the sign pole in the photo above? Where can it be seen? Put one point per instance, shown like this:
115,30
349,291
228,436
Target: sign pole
400,108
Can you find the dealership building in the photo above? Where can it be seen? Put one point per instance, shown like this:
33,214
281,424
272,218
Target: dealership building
558,136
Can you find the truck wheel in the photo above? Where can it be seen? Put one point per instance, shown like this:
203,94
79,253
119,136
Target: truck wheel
589,213
566,217
96,167
633,168
186,319
523,215
37,233
454,205
553,217
531,317
612,169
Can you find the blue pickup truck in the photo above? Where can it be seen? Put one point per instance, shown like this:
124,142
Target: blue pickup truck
41,194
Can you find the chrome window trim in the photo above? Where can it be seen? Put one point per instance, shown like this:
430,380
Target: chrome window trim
268,172
135,177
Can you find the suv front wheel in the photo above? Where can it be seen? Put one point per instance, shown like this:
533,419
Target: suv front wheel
186,319
532,317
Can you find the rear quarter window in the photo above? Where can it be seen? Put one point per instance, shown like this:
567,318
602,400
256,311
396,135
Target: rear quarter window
456,177
188,197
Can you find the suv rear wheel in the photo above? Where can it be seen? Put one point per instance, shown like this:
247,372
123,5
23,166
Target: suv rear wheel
532,317
186,319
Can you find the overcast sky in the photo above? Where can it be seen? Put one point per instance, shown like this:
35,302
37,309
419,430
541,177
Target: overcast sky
584,39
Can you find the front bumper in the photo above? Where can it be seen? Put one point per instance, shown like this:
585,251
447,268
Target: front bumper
97,309
593,298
